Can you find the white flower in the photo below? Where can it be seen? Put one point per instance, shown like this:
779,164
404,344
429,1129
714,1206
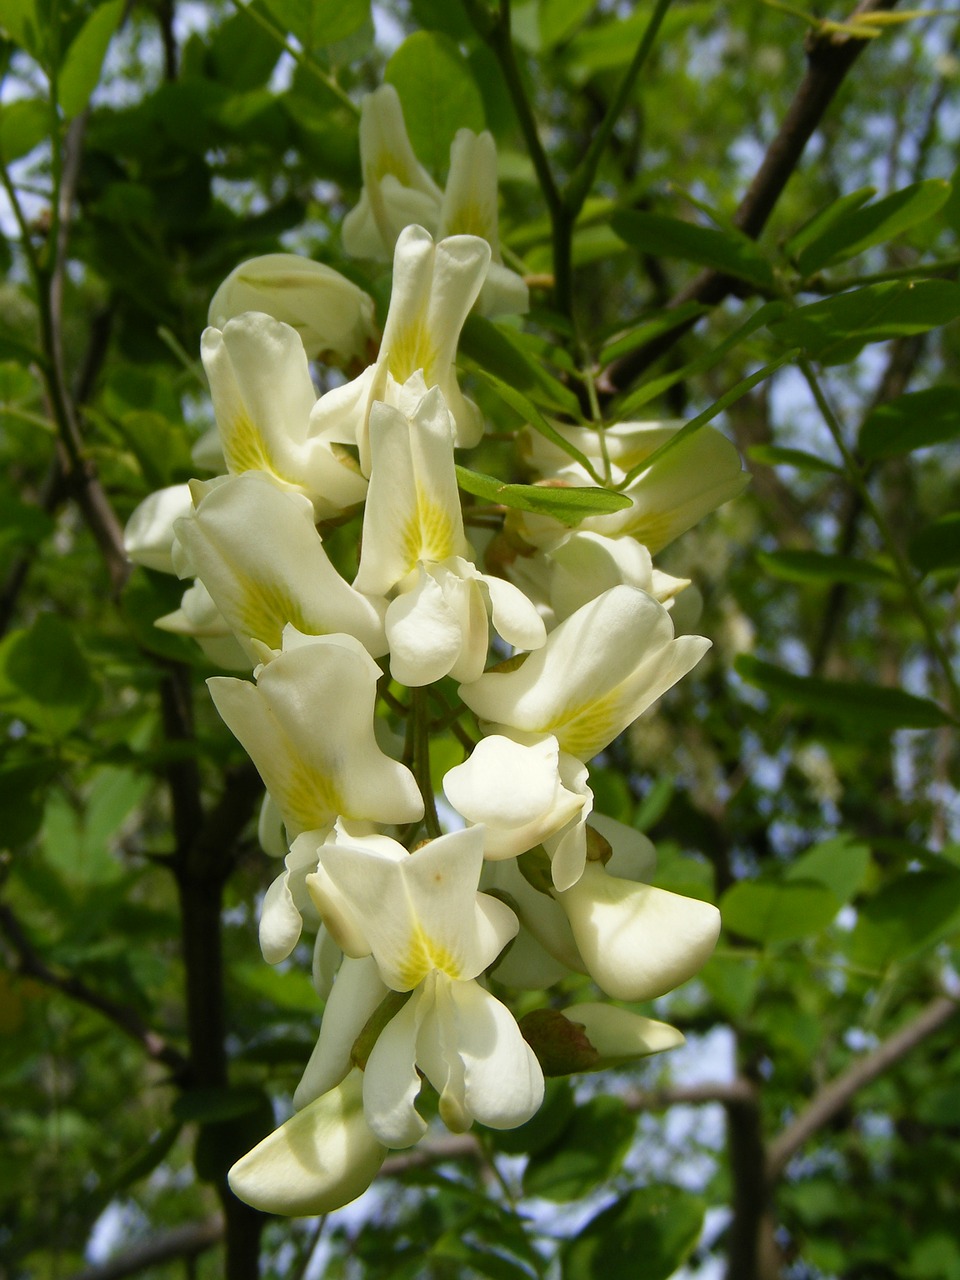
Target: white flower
334,317
699,474
397,190
430,932
148,537
599,670
470,208
515,790
414,549
638,941
199,618
263,398
308,726
434,287
257,551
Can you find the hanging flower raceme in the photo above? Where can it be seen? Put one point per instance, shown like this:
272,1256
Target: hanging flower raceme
406,933
414,549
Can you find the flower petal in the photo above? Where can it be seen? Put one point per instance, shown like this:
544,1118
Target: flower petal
322,1158
391,1083
356,993
637,941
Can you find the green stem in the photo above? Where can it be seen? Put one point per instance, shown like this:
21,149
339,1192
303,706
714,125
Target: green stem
904,569
300,56
421,759
582,177
946,267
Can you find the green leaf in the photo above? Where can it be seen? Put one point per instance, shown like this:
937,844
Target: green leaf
773,455
589,1150
22,796
23,125
913,421
845,701
836,330
529,412
438,95
81,67
559,19
496,350
242,54
317,23
714,354
814,567
839,863
860,228
568,504
45,678
938,545
771,912
908,915
649,1232
650,329
728,251
726,400
818,225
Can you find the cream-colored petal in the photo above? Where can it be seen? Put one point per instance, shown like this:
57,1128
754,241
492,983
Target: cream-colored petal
149,534
620,1036
308,726
391,1083
321,1159
334,318
257,551
356,994
637,941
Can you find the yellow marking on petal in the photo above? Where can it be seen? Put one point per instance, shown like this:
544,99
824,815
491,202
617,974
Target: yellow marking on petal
473,219
387,162
424,954
264,608
653,528
308,796
245,449
429,532
582,728
412,349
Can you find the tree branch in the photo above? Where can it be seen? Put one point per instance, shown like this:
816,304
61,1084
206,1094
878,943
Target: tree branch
835,1095
181,1242
31,964
829,57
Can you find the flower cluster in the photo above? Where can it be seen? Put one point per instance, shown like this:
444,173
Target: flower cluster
415,927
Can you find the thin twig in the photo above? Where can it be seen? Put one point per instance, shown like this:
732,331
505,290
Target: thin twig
31,964
829,59
184,1242
835,1095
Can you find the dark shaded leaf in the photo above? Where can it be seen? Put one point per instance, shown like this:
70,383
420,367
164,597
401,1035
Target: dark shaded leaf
912,421
814,567
846,701
649,1232
728,251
